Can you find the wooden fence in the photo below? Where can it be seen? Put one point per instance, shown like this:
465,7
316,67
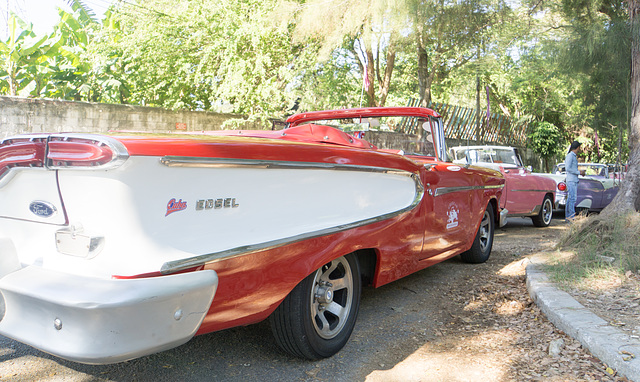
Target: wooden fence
461,123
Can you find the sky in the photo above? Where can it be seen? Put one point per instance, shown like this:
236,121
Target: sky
43,13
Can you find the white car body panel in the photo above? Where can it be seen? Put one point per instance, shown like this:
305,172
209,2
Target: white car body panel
334,198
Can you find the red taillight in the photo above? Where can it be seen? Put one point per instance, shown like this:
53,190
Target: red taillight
21,152
562,186
78,153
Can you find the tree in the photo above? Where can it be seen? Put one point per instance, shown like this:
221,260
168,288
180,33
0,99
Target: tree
58,65
20,55
605,31
369,30
208,55
597,52
449,35
627,198
544,139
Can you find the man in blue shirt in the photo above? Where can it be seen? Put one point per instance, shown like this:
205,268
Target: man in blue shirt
571,166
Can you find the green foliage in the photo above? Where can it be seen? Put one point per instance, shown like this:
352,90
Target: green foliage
22,55
59,65
219,56
333,82
597,52
516,65
545,139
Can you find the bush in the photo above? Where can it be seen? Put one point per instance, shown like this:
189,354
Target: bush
545,140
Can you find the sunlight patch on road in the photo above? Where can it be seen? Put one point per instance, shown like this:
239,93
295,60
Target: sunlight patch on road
515,268
510,308
455,359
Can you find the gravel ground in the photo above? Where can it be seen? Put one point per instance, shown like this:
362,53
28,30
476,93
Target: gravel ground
450,322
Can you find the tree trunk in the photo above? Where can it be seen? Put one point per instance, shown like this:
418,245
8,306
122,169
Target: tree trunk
627,197
385,82
11,76
371,92
423,74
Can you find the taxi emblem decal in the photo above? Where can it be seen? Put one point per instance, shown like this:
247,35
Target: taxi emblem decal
452,215
175,206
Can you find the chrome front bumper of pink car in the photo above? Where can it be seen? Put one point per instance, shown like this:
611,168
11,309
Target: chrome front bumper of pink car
503,217
101,321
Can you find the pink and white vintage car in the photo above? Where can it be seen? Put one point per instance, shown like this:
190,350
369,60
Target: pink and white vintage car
525,194
117,246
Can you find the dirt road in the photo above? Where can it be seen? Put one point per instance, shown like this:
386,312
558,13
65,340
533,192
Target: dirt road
450,322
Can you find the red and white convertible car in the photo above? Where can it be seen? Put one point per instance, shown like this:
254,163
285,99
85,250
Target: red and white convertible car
117,246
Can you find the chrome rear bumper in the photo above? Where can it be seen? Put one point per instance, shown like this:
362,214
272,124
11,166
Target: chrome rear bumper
101,321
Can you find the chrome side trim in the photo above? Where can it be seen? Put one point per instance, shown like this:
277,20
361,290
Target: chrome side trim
535,211
199,162
530,190
178,265
30,137
447,190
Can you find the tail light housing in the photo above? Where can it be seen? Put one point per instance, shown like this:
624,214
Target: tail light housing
84,152
22,152
61,151
562,186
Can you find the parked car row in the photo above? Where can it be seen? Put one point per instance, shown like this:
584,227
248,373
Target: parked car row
525,194
117,246
537,194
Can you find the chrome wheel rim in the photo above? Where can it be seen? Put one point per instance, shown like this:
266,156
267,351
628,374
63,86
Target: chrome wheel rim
485,232
331,298
547,211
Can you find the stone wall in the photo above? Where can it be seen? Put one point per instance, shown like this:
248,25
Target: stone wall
27,115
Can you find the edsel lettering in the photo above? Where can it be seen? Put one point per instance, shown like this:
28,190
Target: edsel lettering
208,204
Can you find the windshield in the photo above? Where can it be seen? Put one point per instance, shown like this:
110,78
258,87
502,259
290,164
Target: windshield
501,156
408,135
586,169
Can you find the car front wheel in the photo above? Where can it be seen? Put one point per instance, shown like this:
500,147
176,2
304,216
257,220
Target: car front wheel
316,319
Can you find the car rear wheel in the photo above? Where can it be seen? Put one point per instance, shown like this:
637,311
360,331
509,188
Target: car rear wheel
543,219
481,247
316,319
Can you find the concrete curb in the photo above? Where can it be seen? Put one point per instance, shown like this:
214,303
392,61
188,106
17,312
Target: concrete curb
603,340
